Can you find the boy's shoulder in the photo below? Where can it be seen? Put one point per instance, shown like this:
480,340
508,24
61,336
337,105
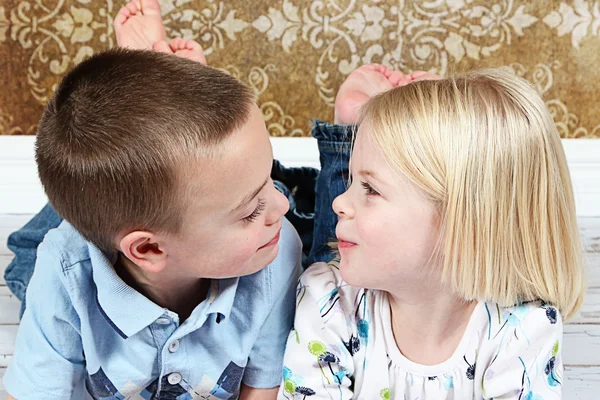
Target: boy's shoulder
66,259
66,245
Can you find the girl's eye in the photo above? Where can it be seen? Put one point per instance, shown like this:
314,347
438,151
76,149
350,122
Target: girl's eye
257,211
369,189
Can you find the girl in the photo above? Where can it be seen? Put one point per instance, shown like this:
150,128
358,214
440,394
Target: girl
459,252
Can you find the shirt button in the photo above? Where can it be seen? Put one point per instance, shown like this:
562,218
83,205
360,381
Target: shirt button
174,346
163,321
174,378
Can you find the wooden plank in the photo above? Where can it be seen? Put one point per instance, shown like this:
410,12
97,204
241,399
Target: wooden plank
590,312
5,360
4,261
2,389
581,345
590,234
582,383
593,269
8,333
9,307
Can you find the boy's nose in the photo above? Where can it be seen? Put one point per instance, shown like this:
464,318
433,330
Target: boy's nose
280,208
341,206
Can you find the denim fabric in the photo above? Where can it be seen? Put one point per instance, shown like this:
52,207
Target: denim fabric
335,145
298,185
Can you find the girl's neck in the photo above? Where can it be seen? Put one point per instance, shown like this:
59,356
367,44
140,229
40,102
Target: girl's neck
429,327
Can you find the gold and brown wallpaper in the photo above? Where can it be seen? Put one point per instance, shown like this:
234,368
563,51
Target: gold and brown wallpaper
295,53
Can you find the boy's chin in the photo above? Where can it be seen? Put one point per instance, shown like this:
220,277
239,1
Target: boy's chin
263,258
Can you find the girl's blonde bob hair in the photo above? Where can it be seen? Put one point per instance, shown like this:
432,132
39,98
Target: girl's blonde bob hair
484,149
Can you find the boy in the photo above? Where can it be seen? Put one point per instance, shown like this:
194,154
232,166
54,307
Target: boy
357,89
174,276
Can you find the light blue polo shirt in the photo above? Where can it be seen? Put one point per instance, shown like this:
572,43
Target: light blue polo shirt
86,334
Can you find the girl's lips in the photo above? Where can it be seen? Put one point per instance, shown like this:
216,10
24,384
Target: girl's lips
345,245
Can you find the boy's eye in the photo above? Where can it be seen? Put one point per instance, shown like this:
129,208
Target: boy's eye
257,211
369,189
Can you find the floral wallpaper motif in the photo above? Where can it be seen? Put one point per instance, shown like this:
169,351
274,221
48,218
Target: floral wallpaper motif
295,53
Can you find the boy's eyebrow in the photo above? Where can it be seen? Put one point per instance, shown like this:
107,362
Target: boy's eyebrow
252,195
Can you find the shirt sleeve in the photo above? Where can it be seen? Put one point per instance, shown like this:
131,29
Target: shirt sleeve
528,363
48,361
318,363
266,357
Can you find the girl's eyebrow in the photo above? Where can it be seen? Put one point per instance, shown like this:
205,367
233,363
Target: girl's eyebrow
372,174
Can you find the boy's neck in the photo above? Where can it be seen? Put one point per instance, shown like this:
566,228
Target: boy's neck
429,327
178,294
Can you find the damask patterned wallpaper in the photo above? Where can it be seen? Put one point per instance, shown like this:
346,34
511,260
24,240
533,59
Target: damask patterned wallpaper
295,53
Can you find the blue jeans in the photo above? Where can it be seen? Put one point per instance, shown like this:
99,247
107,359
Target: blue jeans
335,145
309,191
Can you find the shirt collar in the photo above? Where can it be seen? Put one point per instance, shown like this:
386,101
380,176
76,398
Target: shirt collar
221,296
128,311
125,309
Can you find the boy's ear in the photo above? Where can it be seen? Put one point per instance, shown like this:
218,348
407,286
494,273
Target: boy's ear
145,250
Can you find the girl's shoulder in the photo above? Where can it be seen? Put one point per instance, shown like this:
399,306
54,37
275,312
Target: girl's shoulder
520,349
522,331
531,315
322,288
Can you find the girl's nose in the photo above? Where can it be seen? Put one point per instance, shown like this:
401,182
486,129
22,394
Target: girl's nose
342,206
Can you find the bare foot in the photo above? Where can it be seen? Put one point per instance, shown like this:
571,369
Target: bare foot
364,83
185,48
138,25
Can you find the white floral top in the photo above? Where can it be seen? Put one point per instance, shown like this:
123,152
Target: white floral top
342,347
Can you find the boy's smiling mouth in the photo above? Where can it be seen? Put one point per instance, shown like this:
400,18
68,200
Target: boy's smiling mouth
273,241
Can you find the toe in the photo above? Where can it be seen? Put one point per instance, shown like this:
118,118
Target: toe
150,7
396,77
133,7
162,47
121,17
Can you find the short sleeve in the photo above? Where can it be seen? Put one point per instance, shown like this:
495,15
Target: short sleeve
48,360
528,363
318,360
264,362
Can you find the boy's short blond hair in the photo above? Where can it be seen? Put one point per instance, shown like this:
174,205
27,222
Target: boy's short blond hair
484,149
118,133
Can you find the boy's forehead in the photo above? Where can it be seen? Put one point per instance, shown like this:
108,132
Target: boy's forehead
242,163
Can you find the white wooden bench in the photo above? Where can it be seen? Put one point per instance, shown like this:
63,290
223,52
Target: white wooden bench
581,341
